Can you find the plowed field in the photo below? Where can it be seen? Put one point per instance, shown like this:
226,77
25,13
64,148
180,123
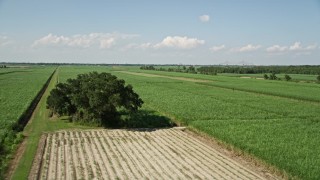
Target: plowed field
132,154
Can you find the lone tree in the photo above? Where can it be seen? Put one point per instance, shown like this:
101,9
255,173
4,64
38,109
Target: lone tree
265,76
273,76
95,98
191,69
287,77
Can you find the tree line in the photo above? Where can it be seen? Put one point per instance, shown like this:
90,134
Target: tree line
271,70
213,70
305,69
183,69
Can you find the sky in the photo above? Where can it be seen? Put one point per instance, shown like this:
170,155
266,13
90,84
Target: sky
196,32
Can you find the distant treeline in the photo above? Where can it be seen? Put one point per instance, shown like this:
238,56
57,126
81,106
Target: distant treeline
62,64
260,69
53,64
213,70
184,69
78,64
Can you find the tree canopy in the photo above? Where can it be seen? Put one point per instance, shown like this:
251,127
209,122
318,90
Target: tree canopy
287,77
94,98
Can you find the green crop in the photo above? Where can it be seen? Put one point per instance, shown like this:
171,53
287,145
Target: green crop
18,88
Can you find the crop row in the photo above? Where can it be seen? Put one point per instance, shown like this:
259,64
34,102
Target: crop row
300,91
19,88
135,154
190,101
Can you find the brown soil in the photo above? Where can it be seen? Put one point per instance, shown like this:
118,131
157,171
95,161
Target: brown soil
173,153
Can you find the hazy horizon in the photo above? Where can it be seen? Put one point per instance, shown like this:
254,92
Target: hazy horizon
161,32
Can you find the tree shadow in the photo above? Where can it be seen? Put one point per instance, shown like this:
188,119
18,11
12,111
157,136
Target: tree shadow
145,119
142,120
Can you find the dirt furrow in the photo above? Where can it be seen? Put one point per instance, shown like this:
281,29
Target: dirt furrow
135,154
172,156
105,155
53,157
122,160
132,168
168,154
188,165
142,166
74,157
59,162
108,139
46,158
225,165
211,167
149,137
61,159
81,155
69,170
89,156
157,158
78,158
214,162
153,156
201,170
138,154
102,171
136,142
93,158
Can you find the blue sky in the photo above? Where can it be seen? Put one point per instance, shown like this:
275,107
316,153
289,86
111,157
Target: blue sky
259,32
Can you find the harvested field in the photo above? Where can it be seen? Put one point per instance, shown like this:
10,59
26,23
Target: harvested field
132,154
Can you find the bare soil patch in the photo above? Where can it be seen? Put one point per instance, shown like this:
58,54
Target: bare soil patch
135,154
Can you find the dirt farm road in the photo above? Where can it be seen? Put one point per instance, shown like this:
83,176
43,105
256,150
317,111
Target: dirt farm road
133,154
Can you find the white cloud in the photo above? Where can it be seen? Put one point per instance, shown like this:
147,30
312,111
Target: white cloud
106,43
175,42
179,42
217,48
246,48
204,18
51,39
4,41
295,47
145,45
277,48
311,47
102,40
142,46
